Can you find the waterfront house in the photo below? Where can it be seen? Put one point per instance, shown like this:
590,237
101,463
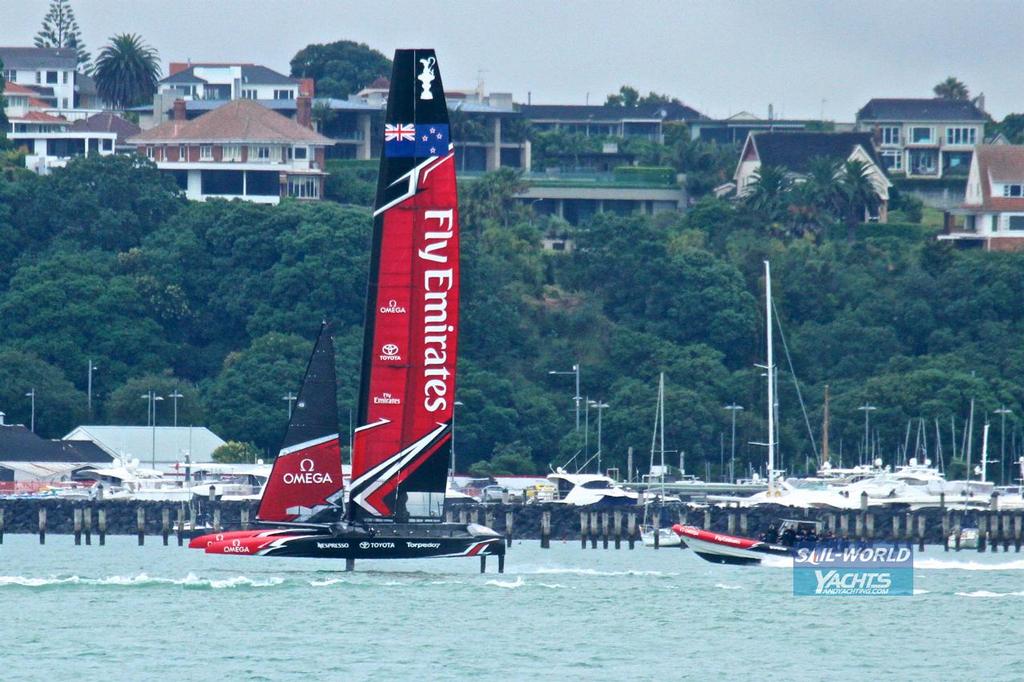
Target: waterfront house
50,141
992,214
240,150
49,67
924,138
795,151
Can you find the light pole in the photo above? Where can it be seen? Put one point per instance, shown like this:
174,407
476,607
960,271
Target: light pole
32,394
734,408
290,397
600,407
457,403
92,368
576,398
1002,412
175,397
867,409
152,397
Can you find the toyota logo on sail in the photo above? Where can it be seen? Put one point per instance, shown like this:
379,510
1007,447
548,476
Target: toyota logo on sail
392,307
390,351
307,474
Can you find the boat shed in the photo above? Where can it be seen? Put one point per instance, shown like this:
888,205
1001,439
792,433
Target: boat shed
24,456
162,445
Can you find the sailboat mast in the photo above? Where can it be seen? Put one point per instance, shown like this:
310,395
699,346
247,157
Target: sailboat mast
771,378
661,410
824,432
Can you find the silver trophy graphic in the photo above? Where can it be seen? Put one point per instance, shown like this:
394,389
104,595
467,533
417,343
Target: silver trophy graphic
426,77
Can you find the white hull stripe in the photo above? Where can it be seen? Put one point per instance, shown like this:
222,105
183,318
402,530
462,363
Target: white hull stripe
412,177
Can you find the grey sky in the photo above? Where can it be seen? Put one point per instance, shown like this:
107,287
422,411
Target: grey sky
720,57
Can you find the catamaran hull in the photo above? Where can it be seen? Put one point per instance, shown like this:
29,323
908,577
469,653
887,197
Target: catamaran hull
728,549
397,541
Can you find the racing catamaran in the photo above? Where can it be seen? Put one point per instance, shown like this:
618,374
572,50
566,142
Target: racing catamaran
395,503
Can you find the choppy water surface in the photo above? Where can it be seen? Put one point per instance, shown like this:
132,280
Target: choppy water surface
122,612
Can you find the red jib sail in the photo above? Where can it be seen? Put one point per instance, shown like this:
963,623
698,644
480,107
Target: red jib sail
305,483
402,444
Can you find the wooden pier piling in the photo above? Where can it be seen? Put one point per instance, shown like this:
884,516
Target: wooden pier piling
87,523
165,524
957,527
631,530
921,532
140,523
617,527
982,531
76,516
945,529
244,516
593,530
731,523
604,530
858,531
869,525
895,528
656,521
584,517
42,526
545,530
1,525
181,526
908,531
707,519
743,524
1006,532
844,526
1016,530
101,521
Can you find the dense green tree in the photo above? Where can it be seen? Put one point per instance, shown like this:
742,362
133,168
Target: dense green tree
1012,126
233,452
627,96
951,88
769,193
60,29
126,71
126,404
59,406
857,194
340,68
245,400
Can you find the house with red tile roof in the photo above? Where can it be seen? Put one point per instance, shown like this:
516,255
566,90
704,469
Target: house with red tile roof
51,141
993,207
240,150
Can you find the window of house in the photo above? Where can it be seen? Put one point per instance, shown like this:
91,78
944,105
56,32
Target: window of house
1012,190
891,135
232,152
65,77
1016,222
64,103
108,145
920,135
893,160
11,76
182,153
51,77
259,153
206,152
300,152
284,94
39,76
303,188
249,93
961,135
149,153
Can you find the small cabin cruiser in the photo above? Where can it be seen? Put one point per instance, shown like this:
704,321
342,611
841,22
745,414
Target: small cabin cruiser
583,490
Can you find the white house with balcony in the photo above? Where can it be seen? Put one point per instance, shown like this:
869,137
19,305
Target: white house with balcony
993,207
50,142
51,69
924,138
240,150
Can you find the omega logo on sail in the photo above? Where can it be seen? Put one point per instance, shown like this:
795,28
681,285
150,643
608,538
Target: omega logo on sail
307,475
436,330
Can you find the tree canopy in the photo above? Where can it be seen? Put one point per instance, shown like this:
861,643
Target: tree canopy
951,88
127,71
222,301
340,68
60,29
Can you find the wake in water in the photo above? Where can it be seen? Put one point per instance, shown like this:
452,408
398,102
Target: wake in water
988,595
595,572
954,564
141,580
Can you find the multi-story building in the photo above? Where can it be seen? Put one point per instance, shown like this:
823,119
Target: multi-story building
924,138
797,151
50,142
609,121
734,129
46,67
240,150
992,212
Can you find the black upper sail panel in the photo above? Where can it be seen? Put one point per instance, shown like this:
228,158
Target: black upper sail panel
315,413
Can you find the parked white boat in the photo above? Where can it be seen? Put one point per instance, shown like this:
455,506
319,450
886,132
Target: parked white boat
666,537
582,490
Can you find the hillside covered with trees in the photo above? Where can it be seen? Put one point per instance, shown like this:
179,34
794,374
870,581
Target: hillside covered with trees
103,261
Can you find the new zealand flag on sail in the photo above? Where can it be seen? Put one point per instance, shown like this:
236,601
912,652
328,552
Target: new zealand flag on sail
420,140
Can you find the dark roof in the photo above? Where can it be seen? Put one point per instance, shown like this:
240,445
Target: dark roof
18,444
107,122
795,150
933,109
579,112
26,58
252,74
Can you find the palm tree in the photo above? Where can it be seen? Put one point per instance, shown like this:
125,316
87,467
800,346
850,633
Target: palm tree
857,195
951,88
126,71
769,192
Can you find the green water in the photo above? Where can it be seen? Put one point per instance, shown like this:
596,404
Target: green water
122,612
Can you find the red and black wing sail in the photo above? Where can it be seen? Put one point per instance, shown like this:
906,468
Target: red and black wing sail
305,484
403,439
